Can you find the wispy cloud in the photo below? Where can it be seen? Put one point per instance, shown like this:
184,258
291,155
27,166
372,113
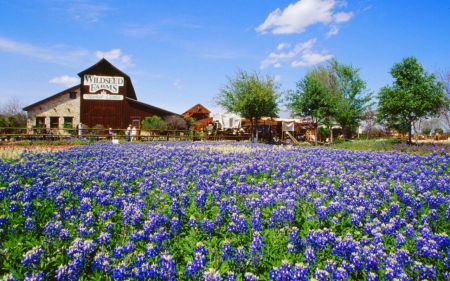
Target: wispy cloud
296,17
115,54
301,55
62,54
59,54
83,10
177,84
65,80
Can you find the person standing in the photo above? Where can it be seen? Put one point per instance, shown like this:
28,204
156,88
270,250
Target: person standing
80,130
128,132
133,134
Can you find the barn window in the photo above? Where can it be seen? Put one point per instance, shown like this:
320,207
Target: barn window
68,121
54,122
73,95
40,122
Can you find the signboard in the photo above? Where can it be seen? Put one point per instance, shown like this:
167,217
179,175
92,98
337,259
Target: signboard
103,95
109,83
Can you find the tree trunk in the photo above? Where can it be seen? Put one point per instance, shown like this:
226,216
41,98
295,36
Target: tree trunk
409,134
316,125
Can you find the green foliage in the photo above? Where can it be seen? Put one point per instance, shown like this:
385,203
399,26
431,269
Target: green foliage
352,98
333,92
153,123
251,96
415,94
426,131
69,126
439,131
323,131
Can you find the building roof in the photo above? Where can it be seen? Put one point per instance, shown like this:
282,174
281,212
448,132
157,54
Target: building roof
165,112
198,108
51,97
106,68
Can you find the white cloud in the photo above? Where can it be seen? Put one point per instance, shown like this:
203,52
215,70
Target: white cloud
309,58
59,53
115,54
177,84
81,10
301,50
296,17
65,80
282,46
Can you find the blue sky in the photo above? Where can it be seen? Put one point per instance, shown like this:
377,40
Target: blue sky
179,53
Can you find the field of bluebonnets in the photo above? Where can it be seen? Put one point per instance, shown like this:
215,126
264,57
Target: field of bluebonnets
214,211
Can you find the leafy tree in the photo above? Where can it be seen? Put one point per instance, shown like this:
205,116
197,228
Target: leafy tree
351,96
251,96
369,118
153,123
313,97
444,77
12,113
189,122
414,94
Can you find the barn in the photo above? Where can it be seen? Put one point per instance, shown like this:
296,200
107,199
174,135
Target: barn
104,98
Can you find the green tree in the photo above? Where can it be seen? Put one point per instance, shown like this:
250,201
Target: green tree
313,97
351,96
251,96
153,123
414,94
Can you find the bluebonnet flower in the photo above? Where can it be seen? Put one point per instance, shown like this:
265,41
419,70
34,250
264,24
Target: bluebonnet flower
212,275
120,271
167,267
102,262
207,226
371,276
250,277
200,199
31,258
151,251
192,222
64,235
239,257
256,252
295,243
39,276
309,256
257,221
13,206
109,227
321,275
422,271
104,238
30,224
339,274
284,272
175,226
238,224
230,276
227,251
9,276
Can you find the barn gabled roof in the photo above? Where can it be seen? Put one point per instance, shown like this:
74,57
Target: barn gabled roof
198,108
52,97
104,67
153,108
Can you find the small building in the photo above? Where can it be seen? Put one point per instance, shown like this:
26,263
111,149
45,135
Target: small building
197,112
104,97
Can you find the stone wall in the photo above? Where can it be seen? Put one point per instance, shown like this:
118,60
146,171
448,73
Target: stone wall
61,105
